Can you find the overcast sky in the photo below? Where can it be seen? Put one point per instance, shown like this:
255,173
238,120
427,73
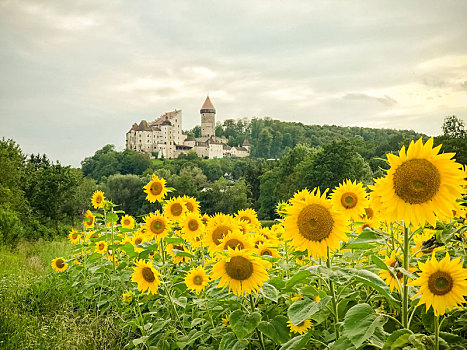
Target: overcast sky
75,75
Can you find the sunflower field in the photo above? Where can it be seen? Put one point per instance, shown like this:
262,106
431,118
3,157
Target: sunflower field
354,267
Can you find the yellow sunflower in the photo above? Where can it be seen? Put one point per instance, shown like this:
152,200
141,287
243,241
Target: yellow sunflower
300,195
98,199
443,284
425,243
241,271
245,226
191,204
388,277
155,189
197,279
258,239
192,226
313,224
59,264
421,184
127,222
146,276
101,247
225,321
350,198
175,208
127,297
74,236
270,235
89,223
264,250
299,328
234,240
137,239
218,226
249,215
126,239
205,218
156,225
92,235
177,259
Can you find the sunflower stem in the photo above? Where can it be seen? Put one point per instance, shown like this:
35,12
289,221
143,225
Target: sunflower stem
112,249
258,333
405,292
436,332
286,260
334,301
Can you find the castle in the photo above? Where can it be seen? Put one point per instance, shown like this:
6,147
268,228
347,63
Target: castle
164,137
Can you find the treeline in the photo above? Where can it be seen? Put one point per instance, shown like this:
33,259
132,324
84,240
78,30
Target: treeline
274,138
38,198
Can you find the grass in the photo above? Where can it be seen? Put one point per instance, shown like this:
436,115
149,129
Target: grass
39,311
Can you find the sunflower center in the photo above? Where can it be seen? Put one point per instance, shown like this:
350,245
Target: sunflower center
239,268
369,213
258,242
193,225
148,274
440,283
74,235
126,222
60,263
266,252
198,280
101,246
178,247
189,206
98,199
349,200
416,181
156,189
157,227
301,324
219,233
176,209
138,240
246,218
234,243
315,222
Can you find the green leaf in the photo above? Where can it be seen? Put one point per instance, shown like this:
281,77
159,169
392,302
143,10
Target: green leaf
182,253
364,240
300,276
174,240
301,310
379,262
230,342
342,344
244,323
277,282
277,329
372,280
297,343
360,322
270,292
395,336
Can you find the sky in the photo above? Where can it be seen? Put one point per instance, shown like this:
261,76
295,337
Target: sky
75,75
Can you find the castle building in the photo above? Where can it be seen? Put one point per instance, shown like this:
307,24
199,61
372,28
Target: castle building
164,137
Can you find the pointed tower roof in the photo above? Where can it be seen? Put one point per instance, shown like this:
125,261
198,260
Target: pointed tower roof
208,107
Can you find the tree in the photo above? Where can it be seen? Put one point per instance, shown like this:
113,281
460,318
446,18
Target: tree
453,127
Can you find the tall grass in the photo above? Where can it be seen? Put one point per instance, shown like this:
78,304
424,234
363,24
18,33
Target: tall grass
39,311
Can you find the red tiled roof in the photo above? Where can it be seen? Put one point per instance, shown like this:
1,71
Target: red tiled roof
208,104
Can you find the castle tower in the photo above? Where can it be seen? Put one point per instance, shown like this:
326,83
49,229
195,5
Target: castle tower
208,119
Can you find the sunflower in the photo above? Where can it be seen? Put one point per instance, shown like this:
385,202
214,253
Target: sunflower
218,226
425,242
205,218
245,226
191,204
128,222
264,250
394,262
270,235
175,208
299,328
258,239
249,215
301,195
89,220
225,321
59,264
127,297
197,279
313,224
137,239
234,240
243,272
281,208
177,259
350,198
91,235
155,189
421,184
74,236
126,239
98,199
442,284
192,226
157,225
146,276
101,247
